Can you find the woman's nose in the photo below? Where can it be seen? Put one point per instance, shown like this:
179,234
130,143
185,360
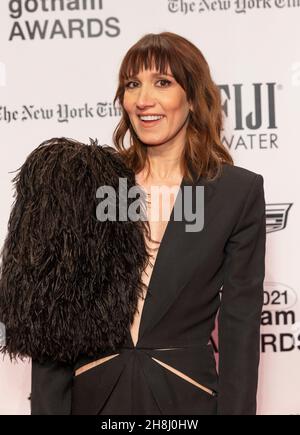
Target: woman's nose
145,96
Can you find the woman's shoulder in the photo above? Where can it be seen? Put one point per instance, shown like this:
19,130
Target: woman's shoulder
238,174
236,182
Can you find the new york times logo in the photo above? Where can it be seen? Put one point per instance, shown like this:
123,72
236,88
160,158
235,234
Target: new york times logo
238,6
2,334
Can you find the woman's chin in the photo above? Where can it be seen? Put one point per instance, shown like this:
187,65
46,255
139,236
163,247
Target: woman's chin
152,142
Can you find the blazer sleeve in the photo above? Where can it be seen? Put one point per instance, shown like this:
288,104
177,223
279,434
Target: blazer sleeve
51,388
241,307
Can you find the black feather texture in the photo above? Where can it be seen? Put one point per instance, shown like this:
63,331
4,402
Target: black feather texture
69,283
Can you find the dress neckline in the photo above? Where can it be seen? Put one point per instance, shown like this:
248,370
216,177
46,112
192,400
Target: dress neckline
156,262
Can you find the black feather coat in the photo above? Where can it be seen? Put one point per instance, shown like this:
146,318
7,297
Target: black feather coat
69,283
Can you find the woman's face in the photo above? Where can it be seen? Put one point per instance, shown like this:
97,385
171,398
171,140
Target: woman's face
162,98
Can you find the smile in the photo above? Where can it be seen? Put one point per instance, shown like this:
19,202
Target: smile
150,121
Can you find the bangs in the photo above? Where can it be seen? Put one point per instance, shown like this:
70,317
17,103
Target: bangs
151,56
158,53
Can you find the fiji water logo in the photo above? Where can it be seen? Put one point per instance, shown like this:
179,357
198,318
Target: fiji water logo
250,107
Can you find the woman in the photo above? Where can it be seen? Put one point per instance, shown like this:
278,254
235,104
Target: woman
166,78
172,110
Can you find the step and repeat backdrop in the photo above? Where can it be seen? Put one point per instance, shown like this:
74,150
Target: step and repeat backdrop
59,64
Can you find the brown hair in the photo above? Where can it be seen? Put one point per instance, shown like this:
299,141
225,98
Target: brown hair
204,151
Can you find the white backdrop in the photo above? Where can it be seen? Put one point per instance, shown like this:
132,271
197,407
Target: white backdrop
55,81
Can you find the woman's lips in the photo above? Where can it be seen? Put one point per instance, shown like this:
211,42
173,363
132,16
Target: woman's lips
147,124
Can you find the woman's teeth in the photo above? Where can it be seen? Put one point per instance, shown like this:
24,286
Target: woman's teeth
150,118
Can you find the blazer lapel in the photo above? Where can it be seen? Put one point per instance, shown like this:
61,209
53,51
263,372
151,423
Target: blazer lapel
175,261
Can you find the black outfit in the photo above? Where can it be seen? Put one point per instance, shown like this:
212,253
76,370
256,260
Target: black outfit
179,315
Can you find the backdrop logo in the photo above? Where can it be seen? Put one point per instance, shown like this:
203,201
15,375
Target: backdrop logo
280,326
276,216
62,113
45,19
238,6
252,112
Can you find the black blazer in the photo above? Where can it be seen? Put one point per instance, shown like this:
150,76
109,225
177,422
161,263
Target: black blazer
178,317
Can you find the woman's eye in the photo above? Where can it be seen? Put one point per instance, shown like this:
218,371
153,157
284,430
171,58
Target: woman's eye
127,85
164,83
